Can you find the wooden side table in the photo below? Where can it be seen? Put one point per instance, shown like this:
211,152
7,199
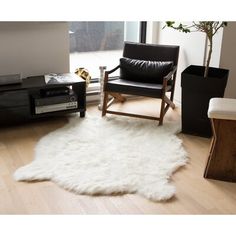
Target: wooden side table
221,163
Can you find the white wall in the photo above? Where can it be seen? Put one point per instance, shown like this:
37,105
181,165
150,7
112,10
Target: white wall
152,34
192,47
34,48
228,58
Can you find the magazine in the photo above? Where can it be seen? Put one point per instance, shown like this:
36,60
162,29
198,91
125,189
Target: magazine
53,78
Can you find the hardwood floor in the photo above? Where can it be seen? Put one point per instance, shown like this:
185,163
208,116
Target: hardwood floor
195,195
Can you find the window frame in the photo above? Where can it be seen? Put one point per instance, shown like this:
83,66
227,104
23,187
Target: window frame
142,39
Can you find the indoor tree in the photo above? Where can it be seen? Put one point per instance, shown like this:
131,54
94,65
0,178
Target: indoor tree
210,28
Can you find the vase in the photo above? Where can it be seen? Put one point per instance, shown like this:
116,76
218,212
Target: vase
196,94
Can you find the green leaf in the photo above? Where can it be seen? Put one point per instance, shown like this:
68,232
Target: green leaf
170,23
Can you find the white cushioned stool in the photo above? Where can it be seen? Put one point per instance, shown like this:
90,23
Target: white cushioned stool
221,163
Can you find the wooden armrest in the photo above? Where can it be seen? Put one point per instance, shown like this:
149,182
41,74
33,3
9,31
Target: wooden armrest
168,77
170,74
111,71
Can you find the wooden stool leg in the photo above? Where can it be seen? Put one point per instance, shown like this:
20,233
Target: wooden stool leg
221,164
212,147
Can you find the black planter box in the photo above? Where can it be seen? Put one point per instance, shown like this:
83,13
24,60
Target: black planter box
196,94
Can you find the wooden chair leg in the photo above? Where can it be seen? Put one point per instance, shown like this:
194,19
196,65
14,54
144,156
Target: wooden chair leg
118,97
104,106
162,112
168,101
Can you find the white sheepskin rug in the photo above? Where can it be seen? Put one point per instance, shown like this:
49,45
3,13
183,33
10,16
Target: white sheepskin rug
113,155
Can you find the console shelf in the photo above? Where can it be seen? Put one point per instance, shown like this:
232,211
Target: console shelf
34,98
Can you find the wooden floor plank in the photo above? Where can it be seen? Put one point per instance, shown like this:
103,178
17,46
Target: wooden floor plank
194,195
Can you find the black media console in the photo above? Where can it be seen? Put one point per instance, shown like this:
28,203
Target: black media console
38,97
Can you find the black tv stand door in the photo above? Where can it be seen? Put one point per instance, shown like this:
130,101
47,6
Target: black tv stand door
14,107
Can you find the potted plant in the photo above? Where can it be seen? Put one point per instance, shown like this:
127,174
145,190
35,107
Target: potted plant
200,83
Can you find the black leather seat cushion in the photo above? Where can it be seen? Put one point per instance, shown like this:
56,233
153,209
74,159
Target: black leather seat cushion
143,70
119,85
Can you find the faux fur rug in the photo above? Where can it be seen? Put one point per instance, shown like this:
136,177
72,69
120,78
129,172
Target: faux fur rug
110,155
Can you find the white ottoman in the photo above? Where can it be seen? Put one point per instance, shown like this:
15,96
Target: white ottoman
221,163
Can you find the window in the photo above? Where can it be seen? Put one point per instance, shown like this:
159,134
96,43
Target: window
94,44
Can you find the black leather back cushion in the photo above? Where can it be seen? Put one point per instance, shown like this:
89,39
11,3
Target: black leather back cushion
144,71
